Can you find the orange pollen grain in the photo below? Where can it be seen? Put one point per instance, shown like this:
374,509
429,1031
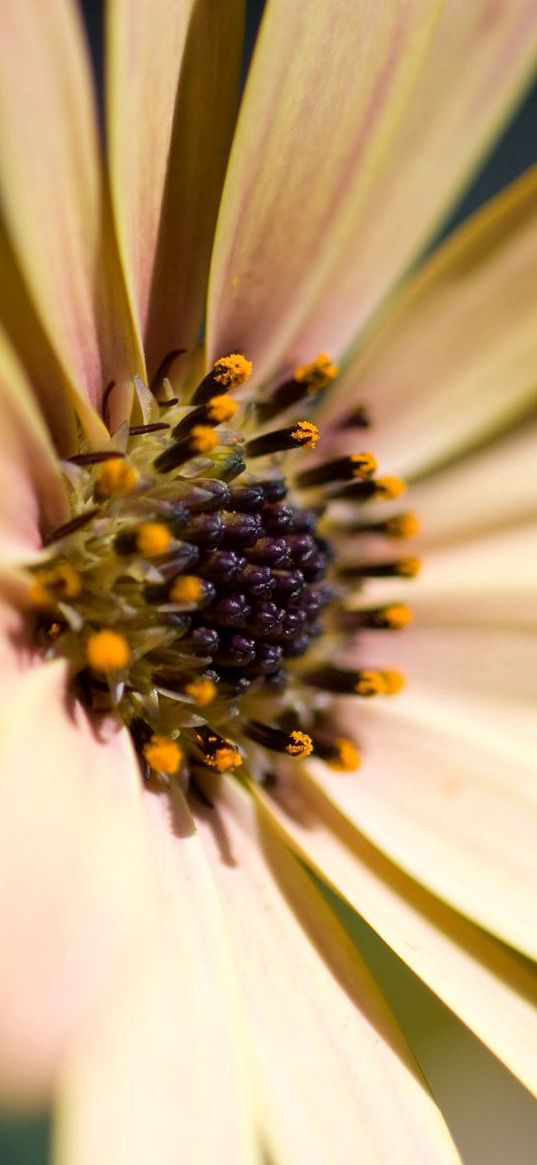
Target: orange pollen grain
163,755
318,373
116,478
203,439
107,651
224,759
307,434
153,538
222,408
202,691
300,745
232,371
187,589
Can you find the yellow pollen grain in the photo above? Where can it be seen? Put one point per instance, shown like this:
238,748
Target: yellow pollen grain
300,745
370,683
116,478
347,758
232,371
307,434
203,439
408,567
51,586
163,755
222,408
202,691
394,682
107,651
187,589
224,759
318,373
364,464
387,489
153,538
402,526
397,616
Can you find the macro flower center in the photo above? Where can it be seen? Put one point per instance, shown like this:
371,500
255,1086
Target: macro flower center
203,587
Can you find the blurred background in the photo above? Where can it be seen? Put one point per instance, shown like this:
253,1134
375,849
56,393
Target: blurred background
492,1119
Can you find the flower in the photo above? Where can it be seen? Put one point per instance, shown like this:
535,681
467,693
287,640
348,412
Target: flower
169,967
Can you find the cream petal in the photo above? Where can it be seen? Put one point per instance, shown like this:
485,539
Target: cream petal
325,90
69,877
159,1073
172,80
453,362
31,486
488,986
333,1069
50,175
481,58
447,786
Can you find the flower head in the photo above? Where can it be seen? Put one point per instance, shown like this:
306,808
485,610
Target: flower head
207,628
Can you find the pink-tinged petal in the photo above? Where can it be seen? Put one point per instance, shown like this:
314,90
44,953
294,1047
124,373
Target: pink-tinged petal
31,487
333,1070
495,488
447,784
327,86
453,362
50,175
488,986
69,873
173,74
482,581
159,1073
480,60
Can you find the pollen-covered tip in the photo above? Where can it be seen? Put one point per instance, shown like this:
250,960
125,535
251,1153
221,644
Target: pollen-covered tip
229,372
115,478
107,651
163,755
153,538
318,373
302,434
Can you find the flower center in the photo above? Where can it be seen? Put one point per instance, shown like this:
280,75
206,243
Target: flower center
202,589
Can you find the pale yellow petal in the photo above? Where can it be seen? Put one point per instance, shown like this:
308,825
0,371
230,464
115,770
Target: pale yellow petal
481,58
324,93
160,1072
454,361
69,877
447,784
333,1069
488,986
31,487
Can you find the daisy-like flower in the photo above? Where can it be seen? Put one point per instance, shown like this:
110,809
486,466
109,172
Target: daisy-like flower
203,585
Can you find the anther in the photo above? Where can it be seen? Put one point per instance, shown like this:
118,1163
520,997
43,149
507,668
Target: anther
217,410
393,617
218,752
398,568
382,489
51,586
364,682
340,753
202,691
230,372
359,418
107,651
163,755
116,478
296,743
153,538
200,440
402,526
359,465
189,590
307,380
303,434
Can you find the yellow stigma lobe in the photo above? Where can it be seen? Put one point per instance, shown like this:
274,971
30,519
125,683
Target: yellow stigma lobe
187,589
153,538
394,682
49,587
318,374
222,408
202,439
370,683
402,526
347,757
306,434
116,478
397,616
202,691
300,745
163,755
387,489
364,464
107,651
232,371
